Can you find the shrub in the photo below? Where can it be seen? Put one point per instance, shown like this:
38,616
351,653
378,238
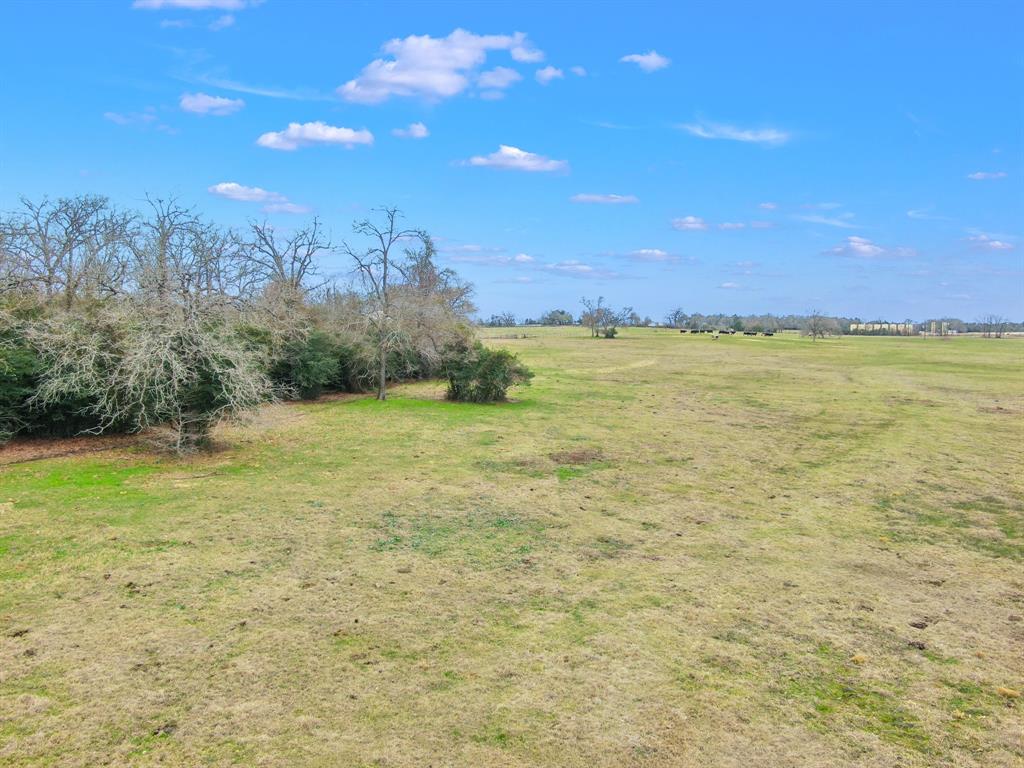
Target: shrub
308,365
610,333
477,374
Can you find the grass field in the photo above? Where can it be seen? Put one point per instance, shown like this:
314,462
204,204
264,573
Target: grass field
669,551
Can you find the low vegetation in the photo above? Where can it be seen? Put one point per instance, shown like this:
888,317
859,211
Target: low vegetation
667,551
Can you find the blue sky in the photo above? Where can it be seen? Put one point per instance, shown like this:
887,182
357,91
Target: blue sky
865,159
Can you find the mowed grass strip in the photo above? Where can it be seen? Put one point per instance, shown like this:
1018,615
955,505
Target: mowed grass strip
669,551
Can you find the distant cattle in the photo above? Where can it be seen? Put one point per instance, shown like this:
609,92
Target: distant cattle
750,333
769,333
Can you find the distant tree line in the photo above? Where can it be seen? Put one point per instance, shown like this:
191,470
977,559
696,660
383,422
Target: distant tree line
114,320
599,318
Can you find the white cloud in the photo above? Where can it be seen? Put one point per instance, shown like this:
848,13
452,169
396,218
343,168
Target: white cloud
414,131
304,134
222,22
273,202
127,118
822,206
498,78
707,130
687,223
767,206
862,248
578,71
204,104
986,175
574,268
652,254
430,67
732,225
234,191
524,54
586,197
843,220
190,5
515,159
547,74
982,240
648,62
523,258
286,208
174,24
729,286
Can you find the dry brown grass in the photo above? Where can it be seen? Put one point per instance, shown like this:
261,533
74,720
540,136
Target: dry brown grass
668,552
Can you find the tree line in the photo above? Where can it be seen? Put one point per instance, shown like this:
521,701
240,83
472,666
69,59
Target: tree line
118,320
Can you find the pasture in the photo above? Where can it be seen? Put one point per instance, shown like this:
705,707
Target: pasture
669,551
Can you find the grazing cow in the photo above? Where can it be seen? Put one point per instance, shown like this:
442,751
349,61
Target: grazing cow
750,333
769,333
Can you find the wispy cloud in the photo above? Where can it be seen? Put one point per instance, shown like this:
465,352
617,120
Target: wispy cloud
861,248
587,197
432,68
689,223
307,134
222,22
842,220
578,71
768,206
729,286
989,243
732,225
986,175
413,131
514,159
204,104
652,255
578,269
708,130
651,61
190,5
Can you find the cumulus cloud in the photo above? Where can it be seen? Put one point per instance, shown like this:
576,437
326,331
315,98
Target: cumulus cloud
689,223
547,74
498,78
648,62
707,130
306,134
190,5
204,104
981,240
515,159
862,248
587,197
986,175
234,191
414,131
431,68
273,202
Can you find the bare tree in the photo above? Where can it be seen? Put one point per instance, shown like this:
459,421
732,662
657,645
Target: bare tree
993,326
676,318
287,260
72,248
377,271
602,319
819,325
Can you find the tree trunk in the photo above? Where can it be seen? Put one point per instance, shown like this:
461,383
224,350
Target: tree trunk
382,376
